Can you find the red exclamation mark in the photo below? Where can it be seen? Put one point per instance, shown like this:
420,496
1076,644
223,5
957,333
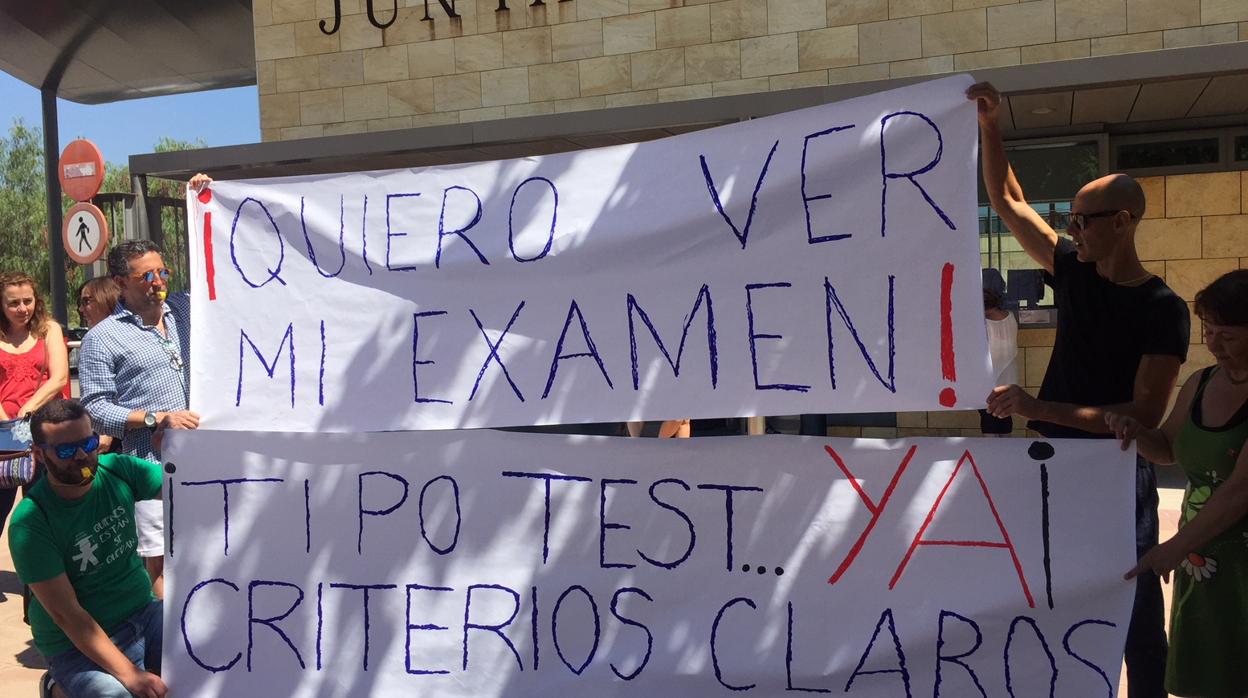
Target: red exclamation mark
948,364
210,269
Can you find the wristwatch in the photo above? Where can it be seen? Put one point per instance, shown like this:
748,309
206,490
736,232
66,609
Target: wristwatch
149,420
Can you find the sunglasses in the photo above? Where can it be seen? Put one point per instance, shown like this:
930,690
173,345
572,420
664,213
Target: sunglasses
1079,221
150,276
83,301
175,360
67,451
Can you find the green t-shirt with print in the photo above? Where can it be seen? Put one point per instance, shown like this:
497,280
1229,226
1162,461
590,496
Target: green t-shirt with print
91,540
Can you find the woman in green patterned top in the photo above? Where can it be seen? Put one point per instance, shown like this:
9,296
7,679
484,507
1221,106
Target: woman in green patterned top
1207,435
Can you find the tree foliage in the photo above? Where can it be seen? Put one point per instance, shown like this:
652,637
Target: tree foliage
23,215
24,236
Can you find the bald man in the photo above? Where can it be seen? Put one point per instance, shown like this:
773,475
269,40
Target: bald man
1121,336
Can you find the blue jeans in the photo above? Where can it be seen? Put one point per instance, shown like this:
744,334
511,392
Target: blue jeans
138,637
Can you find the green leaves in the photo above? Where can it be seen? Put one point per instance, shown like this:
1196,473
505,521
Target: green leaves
24,238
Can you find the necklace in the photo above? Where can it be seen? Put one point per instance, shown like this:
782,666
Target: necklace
1137,280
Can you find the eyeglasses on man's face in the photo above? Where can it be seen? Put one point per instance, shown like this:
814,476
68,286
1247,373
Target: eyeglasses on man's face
1079,221
84,301
67,451
151,275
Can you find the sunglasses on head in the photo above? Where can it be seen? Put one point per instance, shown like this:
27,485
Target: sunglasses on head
67,451
150,276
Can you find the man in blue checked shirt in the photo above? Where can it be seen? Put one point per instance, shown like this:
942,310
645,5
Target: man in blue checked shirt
134,371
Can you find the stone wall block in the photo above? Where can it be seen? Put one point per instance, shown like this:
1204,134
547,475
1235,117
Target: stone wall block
576,40
769,55
834,47
955,32
385,64
682,26
1023,24
362,102
297,74
785,16
628,34
1083,19
713,62
1169,238
893,40
504,86
456,92
657,69
737,19
320,106
1225,236
605,75
1210,194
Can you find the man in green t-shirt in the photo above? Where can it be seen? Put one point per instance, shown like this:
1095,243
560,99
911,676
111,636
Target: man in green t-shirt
93,617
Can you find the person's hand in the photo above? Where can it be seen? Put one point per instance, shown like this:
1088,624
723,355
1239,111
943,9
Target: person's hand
24,413
1126,428
199,181
987,99
1009,400
182,419
144,684
1158,560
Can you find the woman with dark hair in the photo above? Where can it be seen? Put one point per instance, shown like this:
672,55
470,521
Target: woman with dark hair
1207,435
97,299
34,364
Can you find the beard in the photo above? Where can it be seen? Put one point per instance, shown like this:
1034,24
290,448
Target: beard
72,473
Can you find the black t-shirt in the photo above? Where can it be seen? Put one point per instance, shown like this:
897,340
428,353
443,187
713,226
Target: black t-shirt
1103,329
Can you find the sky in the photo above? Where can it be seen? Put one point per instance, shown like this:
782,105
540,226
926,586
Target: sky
122,129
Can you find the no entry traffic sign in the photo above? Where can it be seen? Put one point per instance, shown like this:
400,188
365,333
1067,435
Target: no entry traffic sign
82,170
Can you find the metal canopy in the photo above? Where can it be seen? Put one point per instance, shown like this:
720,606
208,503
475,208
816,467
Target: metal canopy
98,51
1201,86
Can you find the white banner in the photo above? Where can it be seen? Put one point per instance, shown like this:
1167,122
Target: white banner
497,564
822,260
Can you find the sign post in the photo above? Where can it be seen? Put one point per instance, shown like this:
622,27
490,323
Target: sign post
84,232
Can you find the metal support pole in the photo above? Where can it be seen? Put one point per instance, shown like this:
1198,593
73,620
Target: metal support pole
52,183
138,227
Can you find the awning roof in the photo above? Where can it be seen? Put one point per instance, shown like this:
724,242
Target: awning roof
1194,87
98,51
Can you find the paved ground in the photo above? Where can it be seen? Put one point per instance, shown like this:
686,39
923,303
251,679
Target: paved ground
21,665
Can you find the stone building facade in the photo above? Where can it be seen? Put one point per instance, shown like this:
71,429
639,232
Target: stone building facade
574,55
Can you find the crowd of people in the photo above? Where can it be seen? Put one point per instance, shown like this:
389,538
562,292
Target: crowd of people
87,538
1122,335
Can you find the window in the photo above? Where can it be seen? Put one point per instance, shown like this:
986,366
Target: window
1241,148
1168,153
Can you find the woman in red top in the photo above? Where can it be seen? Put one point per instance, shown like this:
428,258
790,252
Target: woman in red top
34,364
